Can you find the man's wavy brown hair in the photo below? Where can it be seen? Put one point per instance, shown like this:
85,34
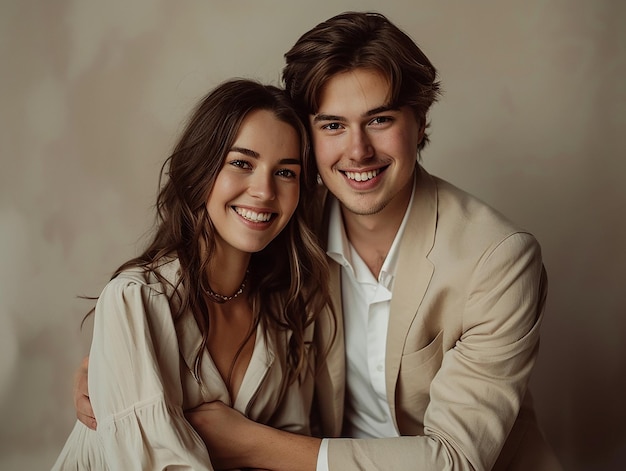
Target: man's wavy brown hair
355,40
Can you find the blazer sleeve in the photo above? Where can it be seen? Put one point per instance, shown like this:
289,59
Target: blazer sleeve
476,395
135,384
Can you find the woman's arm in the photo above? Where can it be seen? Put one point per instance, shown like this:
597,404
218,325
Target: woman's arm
134,376
235,441
84,411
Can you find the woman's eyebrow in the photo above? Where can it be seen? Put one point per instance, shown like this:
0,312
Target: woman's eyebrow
244,151
256,155
288,161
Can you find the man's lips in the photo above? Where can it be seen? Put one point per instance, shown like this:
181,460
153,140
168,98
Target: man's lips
364,175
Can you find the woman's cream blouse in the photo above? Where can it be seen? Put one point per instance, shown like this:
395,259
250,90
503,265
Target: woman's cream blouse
141,381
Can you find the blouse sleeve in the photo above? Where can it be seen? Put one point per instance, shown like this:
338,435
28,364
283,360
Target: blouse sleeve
134,381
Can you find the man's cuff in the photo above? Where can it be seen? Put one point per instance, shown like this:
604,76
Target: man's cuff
322,456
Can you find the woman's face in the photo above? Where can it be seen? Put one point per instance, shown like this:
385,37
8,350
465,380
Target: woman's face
258,187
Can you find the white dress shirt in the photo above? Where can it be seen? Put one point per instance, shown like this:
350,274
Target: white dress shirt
365,304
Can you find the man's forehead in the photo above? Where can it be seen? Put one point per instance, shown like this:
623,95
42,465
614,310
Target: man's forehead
365,90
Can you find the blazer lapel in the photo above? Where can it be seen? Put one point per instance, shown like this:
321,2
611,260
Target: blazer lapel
413,274
330,380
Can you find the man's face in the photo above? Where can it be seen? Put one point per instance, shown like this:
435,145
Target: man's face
366,152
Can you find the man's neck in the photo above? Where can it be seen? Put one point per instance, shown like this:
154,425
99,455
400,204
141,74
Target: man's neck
372,235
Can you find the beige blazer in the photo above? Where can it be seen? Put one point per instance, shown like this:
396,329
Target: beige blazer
463,337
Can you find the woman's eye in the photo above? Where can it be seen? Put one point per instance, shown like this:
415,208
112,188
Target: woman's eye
240,164
285,172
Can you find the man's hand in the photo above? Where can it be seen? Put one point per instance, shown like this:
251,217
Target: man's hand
234,441
84,412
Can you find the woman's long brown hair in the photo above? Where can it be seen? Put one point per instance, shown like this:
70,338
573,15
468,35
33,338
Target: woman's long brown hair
288,280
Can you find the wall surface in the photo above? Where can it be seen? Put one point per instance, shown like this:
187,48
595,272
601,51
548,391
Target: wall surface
93,95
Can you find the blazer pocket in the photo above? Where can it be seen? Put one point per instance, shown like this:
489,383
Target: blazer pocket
417,371
423,356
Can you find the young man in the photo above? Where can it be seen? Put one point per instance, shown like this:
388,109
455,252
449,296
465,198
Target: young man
439,298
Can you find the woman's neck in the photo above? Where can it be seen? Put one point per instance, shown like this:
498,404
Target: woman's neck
226,272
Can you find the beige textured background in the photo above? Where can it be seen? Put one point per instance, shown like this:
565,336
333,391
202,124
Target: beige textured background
93,93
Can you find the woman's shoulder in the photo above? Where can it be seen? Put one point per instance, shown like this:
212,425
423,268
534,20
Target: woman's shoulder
153,284
157,275
138,295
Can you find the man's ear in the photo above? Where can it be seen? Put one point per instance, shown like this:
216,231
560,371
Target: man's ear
422,130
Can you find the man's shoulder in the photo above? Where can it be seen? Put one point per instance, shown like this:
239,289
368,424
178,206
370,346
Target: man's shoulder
457,206
467,227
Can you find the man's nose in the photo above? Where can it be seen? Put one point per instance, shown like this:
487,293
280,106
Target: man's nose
360,145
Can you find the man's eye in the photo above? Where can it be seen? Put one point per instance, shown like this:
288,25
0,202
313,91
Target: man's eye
332,126
381,120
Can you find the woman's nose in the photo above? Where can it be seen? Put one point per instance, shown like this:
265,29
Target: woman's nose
262,186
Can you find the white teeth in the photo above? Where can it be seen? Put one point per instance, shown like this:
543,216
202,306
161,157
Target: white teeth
253,216
362,176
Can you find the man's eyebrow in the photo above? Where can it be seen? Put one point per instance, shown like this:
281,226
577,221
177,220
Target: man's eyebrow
381,109
256,155
327,117
372,112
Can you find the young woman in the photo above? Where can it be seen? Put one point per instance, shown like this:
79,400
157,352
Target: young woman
221,304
